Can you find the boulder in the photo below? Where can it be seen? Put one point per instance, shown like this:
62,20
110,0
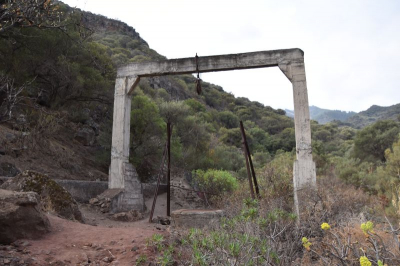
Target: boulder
131,216
86,136
21,216
53,197
8,169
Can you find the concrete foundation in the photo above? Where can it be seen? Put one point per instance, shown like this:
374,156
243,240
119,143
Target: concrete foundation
196,218
83,191
289,61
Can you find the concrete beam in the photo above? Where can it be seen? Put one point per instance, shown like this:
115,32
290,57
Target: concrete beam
210,63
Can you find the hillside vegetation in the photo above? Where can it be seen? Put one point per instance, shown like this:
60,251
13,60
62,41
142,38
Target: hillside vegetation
57,74
373,114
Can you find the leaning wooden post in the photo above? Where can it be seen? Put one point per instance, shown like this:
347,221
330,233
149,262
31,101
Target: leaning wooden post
158,184
250,160
169,169
247,163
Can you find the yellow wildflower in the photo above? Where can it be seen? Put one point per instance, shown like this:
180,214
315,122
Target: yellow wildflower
380,263
367,227
325,226
306,243
364,261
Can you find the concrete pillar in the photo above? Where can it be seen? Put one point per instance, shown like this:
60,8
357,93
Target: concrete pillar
120,136
304,175
125,189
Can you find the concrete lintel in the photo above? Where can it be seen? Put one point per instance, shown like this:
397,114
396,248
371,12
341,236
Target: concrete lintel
210,63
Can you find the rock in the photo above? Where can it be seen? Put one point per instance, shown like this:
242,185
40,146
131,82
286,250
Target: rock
164,220
86,136
21,119
93,201
53,197
21,216
10,137
8,169
195,218
130,216
96,127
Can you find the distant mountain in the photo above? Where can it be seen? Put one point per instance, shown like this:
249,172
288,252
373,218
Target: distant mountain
324,116
373,114
289,113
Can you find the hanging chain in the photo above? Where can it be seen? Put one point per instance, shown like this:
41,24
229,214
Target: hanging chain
198,80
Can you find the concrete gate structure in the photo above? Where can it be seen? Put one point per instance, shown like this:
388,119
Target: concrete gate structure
124,185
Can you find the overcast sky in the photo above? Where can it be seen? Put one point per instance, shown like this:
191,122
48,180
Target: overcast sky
352,47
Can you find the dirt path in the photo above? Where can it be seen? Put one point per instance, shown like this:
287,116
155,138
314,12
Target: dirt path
101,241
73,243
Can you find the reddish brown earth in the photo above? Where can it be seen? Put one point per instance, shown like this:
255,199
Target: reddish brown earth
101,241
73,243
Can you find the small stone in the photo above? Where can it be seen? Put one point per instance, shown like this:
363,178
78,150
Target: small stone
93,200
25,244
6,261
108,259
25,251
134,248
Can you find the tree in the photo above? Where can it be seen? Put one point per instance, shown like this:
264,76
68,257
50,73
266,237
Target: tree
10,96
393,161
147,135
371,142
173,111
28,14
228,119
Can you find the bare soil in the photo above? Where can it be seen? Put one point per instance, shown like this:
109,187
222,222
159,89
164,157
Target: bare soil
59,156
101,241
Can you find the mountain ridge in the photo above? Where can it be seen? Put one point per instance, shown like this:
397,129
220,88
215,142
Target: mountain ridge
323,116
353,119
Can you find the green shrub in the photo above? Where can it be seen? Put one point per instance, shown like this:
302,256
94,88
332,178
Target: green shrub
215,181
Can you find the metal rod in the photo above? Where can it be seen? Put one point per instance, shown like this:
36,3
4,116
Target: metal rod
158,184
250,160
247,162
158,181
169,169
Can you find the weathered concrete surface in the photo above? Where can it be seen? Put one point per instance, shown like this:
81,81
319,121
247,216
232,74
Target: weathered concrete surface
304,173
130,196
209,63
21,217
290,61
83,191
195,218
